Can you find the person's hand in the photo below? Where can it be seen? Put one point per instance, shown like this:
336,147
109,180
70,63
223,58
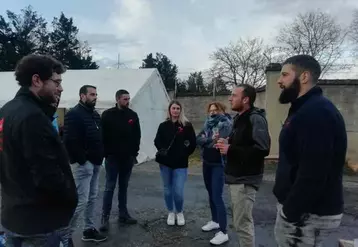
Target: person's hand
223,140
223,147
216,137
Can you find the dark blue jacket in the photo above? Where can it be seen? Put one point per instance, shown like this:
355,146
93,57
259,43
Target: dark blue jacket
313,145
82,135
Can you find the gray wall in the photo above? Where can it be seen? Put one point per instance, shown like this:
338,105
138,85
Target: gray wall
345,97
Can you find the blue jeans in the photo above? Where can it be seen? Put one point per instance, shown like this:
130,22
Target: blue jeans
39,240
86,178
174,181
121,171
214,182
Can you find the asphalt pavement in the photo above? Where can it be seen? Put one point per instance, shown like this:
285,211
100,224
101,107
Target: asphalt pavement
145,203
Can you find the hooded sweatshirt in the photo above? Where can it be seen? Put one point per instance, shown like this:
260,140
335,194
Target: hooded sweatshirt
249,145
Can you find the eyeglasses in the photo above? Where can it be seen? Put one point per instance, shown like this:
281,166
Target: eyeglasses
57,82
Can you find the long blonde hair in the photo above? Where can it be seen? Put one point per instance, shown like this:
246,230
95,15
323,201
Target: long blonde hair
182,118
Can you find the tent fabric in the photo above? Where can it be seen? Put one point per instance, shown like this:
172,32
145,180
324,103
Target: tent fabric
149,97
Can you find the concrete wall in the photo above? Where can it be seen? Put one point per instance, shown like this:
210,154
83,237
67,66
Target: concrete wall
345,97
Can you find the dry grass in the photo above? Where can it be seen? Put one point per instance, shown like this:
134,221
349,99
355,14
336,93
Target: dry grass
194,159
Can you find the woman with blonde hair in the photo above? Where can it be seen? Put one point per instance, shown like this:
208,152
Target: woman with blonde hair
175,141
218,125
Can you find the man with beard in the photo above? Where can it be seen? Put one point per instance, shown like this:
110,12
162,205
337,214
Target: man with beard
121,138
312,153
38,193
83,139
246,149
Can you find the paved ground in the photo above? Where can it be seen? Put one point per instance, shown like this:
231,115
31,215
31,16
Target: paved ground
146,204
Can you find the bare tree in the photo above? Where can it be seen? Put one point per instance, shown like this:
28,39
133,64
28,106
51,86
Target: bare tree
242,62
317,34
354,30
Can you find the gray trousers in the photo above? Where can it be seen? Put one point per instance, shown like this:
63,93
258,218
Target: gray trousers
314,230
86,178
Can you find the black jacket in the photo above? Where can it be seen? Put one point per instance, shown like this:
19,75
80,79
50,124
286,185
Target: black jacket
313,145
38,193
249,145
121,133
179,153
82,135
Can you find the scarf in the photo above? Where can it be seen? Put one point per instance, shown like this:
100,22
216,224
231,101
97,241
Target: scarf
213,121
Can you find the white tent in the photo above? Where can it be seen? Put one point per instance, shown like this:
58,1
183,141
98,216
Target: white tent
149,97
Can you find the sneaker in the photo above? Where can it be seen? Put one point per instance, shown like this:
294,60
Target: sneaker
92,235
211,225
180,219
104,223
171,219
220,238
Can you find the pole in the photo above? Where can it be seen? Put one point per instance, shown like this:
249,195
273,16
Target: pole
214,88
118,61
175,89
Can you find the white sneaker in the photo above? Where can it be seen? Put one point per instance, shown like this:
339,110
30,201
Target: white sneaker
219,238
180,219
211,225
171,219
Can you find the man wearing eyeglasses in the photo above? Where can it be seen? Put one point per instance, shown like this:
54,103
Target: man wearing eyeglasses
38,193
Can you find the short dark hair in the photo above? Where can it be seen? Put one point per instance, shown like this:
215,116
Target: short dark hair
120,92
306,62
249,91
84,89
43,65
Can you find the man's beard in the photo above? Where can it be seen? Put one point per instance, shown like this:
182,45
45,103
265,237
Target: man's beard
90,104
47,98
290,94
125,106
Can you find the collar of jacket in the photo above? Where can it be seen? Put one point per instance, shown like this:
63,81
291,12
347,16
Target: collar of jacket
90,109
121,109
48,109
303,99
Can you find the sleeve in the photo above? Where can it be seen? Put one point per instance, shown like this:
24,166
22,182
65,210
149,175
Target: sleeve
106,135
225,129
203,141
191,138
261,138
73,137
41,150
316,143
158,142
137,135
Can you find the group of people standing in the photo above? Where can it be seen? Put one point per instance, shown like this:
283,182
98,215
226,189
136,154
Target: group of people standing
232,151
49,182
43,196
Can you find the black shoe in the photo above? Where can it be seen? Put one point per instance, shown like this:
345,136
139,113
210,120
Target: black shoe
70,243
104,223
93,235
128,220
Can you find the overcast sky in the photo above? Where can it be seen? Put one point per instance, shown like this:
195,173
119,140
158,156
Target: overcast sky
187,31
